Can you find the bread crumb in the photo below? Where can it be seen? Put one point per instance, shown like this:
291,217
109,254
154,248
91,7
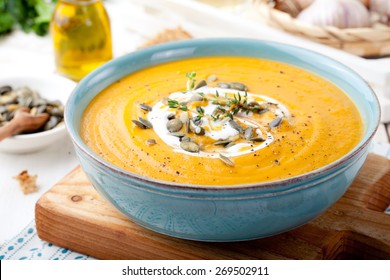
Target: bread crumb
27,183
168,35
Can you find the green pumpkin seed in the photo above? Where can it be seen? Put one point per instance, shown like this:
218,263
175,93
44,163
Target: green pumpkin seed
186,139
188,126
248,133
190,147
231,144
171,116
223,85
139,124
146,123
226,160
5,89
145,107
236,126
202,83
51,123
275,122
257,139
174,125
177,134
151,142
222,142
238,86
196,97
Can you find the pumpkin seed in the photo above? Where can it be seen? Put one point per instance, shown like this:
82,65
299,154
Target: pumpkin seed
186,139
257,139
236,126
212,78
183,117
275,122
222,142
197,122
202,83
5,89
248,133
41,109
3,109
223,85
226,160
238,86
177,134
25,92
145,107
38,102
51,123
262,111
231,144
188,126
55,111
146,123
199,130
190,147
196,97
25,101
151,142
171,116
7,99
174,125
253,103
139,124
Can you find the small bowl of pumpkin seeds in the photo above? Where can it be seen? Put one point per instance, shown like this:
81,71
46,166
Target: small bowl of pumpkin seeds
38,94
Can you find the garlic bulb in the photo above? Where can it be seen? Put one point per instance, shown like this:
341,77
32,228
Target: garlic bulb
338,13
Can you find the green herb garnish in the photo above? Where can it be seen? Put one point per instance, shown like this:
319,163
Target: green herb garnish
175,104
191,80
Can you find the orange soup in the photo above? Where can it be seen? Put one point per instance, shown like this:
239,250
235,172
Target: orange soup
221,121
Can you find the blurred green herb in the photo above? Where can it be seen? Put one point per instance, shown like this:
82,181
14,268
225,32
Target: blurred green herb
29,15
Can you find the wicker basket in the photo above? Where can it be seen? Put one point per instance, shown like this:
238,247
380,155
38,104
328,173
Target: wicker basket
365,42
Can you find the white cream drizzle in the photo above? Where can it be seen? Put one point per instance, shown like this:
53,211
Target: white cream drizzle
219,129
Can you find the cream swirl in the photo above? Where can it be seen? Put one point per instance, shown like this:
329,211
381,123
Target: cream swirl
215,129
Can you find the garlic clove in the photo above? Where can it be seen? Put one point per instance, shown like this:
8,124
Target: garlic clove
337,13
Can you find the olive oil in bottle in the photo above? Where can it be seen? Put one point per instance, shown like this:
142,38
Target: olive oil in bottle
81,34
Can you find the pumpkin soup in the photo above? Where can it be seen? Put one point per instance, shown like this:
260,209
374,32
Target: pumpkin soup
221,121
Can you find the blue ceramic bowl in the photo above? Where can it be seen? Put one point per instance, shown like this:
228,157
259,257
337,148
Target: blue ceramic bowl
222,213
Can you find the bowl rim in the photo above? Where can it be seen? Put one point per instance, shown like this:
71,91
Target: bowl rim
269,185
43,75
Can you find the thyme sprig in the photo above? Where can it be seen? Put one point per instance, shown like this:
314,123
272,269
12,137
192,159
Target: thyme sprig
230,106
175,104
191,80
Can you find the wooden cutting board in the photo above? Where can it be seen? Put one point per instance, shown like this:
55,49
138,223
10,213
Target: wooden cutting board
72,215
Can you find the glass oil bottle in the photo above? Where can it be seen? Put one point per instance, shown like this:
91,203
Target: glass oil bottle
81,35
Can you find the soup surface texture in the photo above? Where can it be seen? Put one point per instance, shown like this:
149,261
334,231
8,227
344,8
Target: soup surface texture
256,120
